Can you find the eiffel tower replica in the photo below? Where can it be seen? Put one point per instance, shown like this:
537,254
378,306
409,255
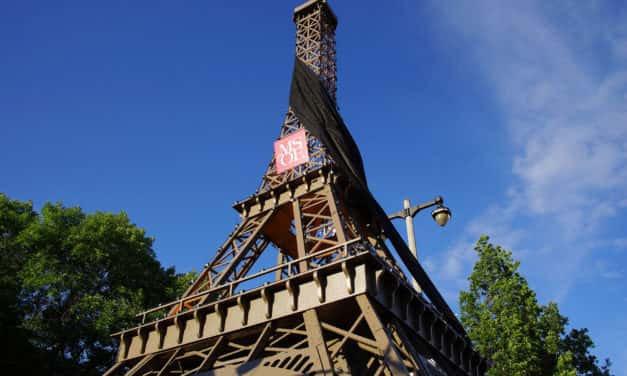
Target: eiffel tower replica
336,302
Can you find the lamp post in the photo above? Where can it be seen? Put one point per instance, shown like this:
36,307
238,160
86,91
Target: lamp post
441,215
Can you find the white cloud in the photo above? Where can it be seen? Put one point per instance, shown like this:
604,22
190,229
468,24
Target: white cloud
608,271
453,266
565,107
568,127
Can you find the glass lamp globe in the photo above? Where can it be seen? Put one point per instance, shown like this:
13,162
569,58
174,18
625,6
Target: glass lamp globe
441,215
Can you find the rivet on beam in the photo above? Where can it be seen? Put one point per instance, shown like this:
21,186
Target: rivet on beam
395,293
449,340
267,301
125,340
221,317
347,277
319,286
330,176
381,291
307,182
143,337
418,314
323,175
180,326
454,352
410,311
242,304
161,332
462,356
443,340
474,364
433,336
290,290
200,321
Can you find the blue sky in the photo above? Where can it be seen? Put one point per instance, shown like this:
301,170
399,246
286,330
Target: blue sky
515,112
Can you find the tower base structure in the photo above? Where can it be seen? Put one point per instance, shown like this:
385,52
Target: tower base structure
354,316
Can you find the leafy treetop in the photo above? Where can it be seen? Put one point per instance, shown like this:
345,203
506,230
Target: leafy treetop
516,334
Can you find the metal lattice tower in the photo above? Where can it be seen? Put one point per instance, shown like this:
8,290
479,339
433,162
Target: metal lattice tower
315,40
315,45
336,301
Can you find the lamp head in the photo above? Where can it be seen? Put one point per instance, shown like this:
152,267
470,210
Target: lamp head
441,215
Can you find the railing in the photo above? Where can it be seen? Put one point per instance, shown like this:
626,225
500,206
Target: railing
344,250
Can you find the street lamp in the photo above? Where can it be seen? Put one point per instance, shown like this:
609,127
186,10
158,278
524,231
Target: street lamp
441,215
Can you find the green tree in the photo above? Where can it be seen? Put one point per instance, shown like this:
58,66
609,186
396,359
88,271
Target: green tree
500,312
578,343
565,365
179,285
550,330
74,279
16,352
515,333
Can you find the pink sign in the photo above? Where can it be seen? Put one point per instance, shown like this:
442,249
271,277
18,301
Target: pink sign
291,151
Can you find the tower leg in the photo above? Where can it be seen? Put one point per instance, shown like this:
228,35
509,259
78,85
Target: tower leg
384,340
316,341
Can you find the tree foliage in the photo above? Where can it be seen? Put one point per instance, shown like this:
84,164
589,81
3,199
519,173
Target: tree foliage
515,333
579,343
16,353
69,280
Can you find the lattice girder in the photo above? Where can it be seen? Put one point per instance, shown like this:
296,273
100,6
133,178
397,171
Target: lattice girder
307,224
315,45
315,41
363,340
340,293
308,220
318,157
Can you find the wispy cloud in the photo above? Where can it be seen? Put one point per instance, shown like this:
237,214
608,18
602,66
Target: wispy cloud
608,270
561,82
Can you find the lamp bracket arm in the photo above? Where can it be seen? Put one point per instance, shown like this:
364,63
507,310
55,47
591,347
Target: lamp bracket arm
398,214
411,212
437,201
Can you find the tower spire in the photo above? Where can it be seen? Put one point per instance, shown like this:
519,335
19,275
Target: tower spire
315,40
315,47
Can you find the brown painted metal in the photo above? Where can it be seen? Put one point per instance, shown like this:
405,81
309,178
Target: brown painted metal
316,341
335,303
382,337
315,45
354,291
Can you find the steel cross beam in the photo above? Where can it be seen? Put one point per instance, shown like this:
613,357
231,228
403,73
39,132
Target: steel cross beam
355,308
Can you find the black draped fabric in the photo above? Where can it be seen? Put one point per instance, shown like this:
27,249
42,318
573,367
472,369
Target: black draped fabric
317,112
